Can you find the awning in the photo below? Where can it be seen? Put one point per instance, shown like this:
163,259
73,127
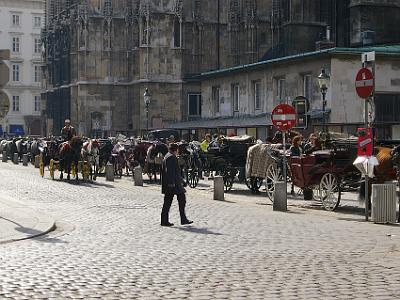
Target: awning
231,122
318,113
17,130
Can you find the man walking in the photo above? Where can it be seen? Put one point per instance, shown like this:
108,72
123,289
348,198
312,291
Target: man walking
172,184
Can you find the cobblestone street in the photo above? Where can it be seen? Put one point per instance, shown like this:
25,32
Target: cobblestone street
109,245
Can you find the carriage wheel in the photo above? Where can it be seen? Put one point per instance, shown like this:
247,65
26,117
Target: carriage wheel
329,189
258,183
273,175
316,193
228,182
51,168
229,177
41,166
193,179
85,170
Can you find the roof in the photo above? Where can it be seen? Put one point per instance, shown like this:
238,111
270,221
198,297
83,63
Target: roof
231,122
380,50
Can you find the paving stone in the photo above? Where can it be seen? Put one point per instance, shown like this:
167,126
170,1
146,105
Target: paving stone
110,246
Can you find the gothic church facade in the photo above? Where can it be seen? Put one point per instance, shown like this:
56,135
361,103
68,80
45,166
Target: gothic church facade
101,55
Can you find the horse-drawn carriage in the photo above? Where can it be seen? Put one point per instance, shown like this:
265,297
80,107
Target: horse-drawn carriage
228,159
63,157
324,173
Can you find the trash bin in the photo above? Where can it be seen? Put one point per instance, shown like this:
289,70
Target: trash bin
383,203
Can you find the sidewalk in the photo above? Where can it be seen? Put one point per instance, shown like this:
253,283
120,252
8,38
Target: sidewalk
17,222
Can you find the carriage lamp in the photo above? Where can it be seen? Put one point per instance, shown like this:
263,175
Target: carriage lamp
147,100
323,82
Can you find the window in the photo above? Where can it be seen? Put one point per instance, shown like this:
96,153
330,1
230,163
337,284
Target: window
215,98
194,105
15,44
177,33
281,89
300,105
236,97
307,86
37,103
257,95
37,45
15,20
15,103
37,22
15,72
145,30
387,108
36,75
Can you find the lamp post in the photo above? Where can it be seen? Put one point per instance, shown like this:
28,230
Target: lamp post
323,82
147,100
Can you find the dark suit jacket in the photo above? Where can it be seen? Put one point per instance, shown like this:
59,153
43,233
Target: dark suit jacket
171,179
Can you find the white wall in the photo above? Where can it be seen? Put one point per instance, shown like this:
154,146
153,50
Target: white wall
26,88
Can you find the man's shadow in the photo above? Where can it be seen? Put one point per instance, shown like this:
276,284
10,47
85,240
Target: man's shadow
197,230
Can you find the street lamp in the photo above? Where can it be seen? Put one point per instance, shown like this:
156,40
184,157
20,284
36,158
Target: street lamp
147,100
323,82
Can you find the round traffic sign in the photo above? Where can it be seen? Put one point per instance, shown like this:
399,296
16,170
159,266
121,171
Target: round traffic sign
284,117
364,83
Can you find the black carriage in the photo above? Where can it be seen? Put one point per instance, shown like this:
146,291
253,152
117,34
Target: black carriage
228,159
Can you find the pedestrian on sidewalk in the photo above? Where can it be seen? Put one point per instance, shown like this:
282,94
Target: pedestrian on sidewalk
171,185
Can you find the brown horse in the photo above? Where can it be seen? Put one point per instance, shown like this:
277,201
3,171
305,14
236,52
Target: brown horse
383,172
70,154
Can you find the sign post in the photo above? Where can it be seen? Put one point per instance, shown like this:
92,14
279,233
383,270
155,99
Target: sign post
284,118
365,88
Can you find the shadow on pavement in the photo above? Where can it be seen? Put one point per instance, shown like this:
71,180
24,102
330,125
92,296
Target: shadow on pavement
11,221
50,240
197,230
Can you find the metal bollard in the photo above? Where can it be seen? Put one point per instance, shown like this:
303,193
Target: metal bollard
4,157
280,196
109,172
25,160
219,188
138,176
37,161
15,158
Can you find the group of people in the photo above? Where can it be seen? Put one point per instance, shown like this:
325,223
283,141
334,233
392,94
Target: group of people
300,147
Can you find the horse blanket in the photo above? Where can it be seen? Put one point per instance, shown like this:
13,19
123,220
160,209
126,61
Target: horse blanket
258,160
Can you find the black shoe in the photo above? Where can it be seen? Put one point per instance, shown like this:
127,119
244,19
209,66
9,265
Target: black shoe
186,222
168,224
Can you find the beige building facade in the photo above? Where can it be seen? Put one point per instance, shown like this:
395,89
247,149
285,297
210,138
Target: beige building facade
240,100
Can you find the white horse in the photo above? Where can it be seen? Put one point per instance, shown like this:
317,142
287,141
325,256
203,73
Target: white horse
90,153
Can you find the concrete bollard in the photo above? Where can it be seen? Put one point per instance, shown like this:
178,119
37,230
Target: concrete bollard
4,157
109,172
219,188
37,161
138,176
280,196
15,158
25,160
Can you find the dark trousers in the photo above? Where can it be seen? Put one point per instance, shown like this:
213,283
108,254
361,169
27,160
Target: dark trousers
167,205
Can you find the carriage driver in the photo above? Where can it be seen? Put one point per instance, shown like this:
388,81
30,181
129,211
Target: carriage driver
68,131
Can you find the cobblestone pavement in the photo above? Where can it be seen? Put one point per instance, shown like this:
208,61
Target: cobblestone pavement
109,245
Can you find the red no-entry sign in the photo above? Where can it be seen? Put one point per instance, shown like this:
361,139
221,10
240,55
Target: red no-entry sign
284,117
364,83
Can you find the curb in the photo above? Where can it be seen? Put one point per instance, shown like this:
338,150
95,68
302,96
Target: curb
42,223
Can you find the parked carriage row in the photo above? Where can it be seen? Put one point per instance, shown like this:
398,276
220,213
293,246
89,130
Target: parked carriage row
324,174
